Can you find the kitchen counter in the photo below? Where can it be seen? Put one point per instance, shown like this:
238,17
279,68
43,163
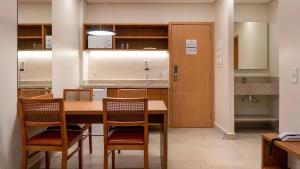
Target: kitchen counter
35,84
125,84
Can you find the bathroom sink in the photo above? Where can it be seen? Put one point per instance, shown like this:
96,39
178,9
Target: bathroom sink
256,86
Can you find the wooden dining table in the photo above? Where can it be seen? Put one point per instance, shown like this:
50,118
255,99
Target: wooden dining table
92,111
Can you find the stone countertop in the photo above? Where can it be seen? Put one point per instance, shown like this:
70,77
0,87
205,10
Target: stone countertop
125,84
256,85
35,84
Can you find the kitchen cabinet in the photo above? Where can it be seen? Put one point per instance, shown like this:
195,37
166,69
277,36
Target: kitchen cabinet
132,36
34,36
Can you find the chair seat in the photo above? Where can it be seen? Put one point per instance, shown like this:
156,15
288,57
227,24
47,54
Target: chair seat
52,138
72,127
126,137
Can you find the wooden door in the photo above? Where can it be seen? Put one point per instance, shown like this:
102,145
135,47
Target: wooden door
192,92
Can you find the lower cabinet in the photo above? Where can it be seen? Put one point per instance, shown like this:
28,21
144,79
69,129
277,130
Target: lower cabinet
153,94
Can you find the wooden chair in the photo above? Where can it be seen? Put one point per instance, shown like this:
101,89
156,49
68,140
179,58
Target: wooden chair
43,113
132,93
27,93
125,113
81,95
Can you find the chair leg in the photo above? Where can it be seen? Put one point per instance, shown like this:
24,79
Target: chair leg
47,160
113,159
64,159
145,159
24,159
105,159
90,140
80,154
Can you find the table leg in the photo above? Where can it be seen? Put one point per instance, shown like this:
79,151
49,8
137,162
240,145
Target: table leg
164,143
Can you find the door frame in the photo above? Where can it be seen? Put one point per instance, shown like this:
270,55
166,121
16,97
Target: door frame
171,73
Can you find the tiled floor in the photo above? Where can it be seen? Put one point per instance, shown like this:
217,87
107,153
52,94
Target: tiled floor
188,149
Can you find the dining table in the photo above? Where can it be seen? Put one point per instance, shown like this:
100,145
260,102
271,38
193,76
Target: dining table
91,112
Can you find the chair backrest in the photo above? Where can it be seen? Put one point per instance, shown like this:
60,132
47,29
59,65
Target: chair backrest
42,113
46,96
27,93
124,112
132,93
78,94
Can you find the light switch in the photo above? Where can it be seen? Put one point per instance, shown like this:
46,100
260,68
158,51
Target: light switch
294,75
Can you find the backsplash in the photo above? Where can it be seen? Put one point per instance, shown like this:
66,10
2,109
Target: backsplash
125,65
37,65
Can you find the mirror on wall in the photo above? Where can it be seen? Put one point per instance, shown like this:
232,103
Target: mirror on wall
34,44
251,45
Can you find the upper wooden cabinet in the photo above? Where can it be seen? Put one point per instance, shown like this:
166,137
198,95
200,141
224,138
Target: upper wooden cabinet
33,36
132,36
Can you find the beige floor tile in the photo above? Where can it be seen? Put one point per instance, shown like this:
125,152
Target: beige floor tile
188,149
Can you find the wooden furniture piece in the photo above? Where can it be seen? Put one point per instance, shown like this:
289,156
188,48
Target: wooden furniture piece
133,36
81,95
191,75
132,93
33,36
92,111
120,117
279,157
27,93
152,93
43,113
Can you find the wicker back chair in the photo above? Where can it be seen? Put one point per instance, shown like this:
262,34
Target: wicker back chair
78,94
132,93
43,113
81,95
27,93
129,112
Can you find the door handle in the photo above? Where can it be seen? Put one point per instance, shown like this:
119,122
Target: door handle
175,72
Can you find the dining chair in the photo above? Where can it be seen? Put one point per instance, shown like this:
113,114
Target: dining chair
132,93
81,95
27,93
125,112
40,114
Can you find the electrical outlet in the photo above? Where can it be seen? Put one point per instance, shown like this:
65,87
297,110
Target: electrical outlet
21,65
294,75
147,65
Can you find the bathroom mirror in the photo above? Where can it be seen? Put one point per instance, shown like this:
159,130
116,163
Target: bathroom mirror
251,45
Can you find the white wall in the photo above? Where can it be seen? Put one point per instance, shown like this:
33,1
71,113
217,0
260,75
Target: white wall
9,128
261,13
149,13
224,98
273,38
66,45
38,65
34,13
129,65
289,57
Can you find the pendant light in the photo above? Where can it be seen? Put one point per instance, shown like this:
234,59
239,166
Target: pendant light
101,31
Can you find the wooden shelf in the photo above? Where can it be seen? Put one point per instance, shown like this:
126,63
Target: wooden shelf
141,37
32,37
135,36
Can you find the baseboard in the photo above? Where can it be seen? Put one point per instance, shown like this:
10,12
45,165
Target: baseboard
226,135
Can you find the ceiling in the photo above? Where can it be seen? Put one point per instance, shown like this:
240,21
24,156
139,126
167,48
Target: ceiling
152,1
